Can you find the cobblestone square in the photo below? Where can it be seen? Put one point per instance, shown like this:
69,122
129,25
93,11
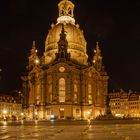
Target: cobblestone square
70,132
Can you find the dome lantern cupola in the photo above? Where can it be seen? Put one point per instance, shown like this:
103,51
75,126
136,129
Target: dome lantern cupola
74,36
66,10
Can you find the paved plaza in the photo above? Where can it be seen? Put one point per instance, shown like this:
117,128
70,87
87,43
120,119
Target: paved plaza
70,132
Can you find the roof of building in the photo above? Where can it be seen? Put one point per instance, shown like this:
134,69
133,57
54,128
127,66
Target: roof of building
10,97
131,96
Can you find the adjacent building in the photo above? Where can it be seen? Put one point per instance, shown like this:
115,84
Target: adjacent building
10,107
62,82
125,104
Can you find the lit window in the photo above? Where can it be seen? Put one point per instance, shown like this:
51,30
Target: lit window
89,88
89,92
77,111
90,99
61,90
50,89
61,109
75,88
75,97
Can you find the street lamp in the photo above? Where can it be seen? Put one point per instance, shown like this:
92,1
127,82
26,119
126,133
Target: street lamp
36,113
22,114
88,112
4,112
37,61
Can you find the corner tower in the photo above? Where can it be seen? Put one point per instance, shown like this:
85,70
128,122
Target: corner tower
74,35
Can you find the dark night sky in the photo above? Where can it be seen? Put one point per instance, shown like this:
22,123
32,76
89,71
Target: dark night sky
115,23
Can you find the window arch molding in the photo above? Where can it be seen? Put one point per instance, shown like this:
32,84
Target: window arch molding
62,89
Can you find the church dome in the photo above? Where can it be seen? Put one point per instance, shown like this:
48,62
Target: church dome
74,36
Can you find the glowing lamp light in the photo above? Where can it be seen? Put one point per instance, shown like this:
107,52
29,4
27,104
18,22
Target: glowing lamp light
66,19
4,111
52,116
22,114
37,61
94,61
4,123
88,112
36,113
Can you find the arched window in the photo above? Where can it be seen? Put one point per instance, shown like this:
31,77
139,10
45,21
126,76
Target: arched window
89,88
50,88
37,94
69,11
62,90
89,94
75,86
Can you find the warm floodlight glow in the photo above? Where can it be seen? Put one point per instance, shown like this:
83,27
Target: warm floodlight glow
52,116
88,112
119,115
36,113
4,123
4,111
37,61
22,114
66,19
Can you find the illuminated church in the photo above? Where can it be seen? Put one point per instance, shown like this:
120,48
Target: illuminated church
62,83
